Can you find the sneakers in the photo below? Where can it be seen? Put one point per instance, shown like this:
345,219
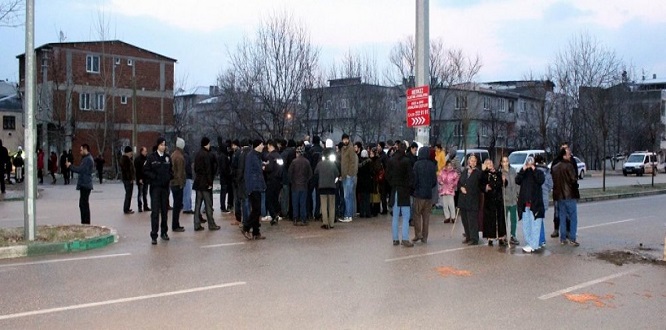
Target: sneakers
346,219
564,242
266,218
396,243
527,249
574,243
514,241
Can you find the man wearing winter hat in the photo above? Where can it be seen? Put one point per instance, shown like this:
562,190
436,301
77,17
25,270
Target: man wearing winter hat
159,172
127,170
178,184
204,175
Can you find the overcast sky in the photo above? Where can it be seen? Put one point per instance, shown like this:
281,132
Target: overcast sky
512,37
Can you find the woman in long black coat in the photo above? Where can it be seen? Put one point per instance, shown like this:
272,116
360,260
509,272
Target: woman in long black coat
469,187
494,226
365,184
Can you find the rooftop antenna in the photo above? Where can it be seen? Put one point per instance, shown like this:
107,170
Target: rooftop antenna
61,36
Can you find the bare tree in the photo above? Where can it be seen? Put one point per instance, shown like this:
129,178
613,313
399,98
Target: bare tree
11,13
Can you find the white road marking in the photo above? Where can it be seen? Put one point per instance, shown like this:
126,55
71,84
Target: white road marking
432,253
308,236
583,285
63,260
220,245
118,301
606,224
21,219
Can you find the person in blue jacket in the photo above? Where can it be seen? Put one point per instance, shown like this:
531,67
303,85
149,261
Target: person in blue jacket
84,184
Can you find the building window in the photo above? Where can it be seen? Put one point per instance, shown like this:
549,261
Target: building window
502,105
327,105
123,99
89,101
461,102
511,105
486,103
9,122
130,62
343,104
484,130
523,106
458,129
84,101
117,60
98,102
92,64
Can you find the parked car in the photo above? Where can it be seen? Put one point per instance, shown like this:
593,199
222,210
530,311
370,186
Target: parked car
481,155
639,163
518,158
582,167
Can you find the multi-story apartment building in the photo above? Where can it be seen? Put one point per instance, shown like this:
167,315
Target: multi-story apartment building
11,112
108,94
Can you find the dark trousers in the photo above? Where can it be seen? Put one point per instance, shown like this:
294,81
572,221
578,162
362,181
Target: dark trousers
84,205
231,202
384,192
142,193
206,197
159,200
65,175
238,205
556,220
2,183
223,197
100,173
52,176
298,202
255,212
273,199
313,205
177,193
129,189
470,221
364,204
40,175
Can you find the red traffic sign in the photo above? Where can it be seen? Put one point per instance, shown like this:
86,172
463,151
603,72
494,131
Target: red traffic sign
418,106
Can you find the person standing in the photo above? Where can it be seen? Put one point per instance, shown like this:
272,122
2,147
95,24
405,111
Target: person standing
349,169
530,196
273,181
84,184
19,165
546,188
400,176
53,166
510,192
364,184
177,184
327,174
557,218
158,171
204,175
64,170
469,186
70,158
425,179
224,169
494,226
141,181
254,186
448,184
127,170
565,193
99,164
40,165
300,173
189,182
4,160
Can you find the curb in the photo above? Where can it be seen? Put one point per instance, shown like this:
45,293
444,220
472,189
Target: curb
37,249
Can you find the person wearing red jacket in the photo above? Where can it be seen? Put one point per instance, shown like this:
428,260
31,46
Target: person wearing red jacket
53,166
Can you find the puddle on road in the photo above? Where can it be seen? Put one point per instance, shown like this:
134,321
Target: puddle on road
590,299
450,271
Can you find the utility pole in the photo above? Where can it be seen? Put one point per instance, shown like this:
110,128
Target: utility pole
422,58
29,206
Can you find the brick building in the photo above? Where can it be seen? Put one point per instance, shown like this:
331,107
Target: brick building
108,94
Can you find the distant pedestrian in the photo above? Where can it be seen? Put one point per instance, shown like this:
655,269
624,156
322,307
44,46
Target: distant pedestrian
177,184
19,166
70,158
99,164
349,170
400,176
425,179
273,170
510,191
127,171
141,180
365,184
4,161
64,170
189,181
84,184
328,175
224,170
204,174
546,188
494,223
53,166
158,171
300,173
40,165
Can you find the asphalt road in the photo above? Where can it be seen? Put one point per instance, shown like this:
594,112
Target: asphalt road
350,277
615,180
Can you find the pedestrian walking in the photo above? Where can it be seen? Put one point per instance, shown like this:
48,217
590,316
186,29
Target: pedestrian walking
84,184
177,184
99,164
158,171
204,174
128,175
53,166
400,176
425,179
141,180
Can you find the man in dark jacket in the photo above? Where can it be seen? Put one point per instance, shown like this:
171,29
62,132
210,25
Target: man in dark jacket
84,185
204,175
242,211
99,164
127,172
400,176
189,182
314,156
158,171
425,179
273,172
565,193
288,155
141,181
254,186
556,218
300,174
177,184
63,167
224,170
4,159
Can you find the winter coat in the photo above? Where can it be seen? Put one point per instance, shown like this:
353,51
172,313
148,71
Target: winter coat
530,182
40,160
472,183
288,156
53,163
511,189
85,170
493,197
547,185
241,155
448,181
189,171
399,175
138,168
365,176
178,166
326,172
204,173
157,169
440,157
349,161
224,166
127,168
300,173
565,183
425,175
254,175
274,168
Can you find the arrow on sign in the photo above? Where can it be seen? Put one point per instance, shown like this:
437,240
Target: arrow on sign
417,121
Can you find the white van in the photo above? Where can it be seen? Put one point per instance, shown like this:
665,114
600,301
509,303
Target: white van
517,159
480,154
639,163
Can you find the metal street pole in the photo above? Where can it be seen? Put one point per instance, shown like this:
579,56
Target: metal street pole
422,58
29,206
